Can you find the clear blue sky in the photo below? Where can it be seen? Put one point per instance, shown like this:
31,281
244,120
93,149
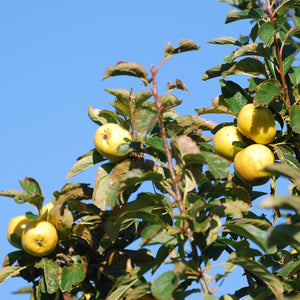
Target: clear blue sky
53,57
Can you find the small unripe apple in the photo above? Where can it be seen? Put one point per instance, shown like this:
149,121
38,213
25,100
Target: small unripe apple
108,138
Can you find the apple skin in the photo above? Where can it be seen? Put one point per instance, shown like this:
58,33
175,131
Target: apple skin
223,141
108,138
257,124
249,163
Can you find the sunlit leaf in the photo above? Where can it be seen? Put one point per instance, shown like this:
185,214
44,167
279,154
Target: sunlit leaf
267,91
163,286
184,45
217,71
10,271
289,269
256,49
127,68
266,33
290,202
234,15
248,66
71,276
226,40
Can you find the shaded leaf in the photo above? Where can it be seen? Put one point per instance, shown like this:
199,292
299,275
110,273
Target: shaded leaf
290,202
284,235
286,155
273,282
295,117
84,162
102,185
126,68
289,269
177,85
252,232
234,95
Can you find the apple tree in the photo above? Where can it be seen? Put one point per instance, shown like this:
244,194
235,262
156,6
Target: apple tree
167,216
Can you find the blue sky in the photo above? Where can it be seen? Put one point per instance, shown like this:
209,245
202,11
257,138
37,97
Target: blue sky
53,57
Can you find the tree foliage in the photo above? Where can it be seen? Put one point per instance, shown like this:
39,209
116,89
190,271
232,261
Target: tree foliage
174,201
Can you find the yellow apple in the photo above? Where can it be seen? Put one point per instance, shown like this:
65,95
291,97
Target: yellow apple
223,141
39,238
249,163
257,124
108,138
15,229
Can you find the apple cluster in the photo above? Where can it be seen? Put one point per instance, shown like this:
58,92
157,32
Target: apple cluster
36,237
256,128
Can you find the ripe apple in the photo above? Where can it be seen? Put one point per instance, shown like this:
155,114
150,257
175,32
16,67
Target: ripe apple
223,141
39,238
108,138
257,124
15,230
249,163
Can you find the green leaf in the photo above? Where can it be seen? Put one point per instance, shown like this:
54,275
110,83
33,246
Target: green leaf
127,68
295,118
71,276
140,98
248,66
177,85
266,33
286,155
256,49
226,40
234,15
84,162
31,186
144,120
294,74
267,91
163,286
292,32
219,70
284,235
101,117
252,232
51,275
234,95
289,171
157,144
184,45
289,269
289,202
271,281
102,185
153,235
10,271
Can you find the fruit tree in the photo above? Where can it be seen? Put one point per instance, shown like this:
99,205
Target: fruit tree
178,191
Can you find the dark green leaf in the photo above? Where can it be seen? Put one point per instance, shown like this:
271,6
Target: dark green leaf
248,66
295,118
289,269
234,15
84,162
127,68
72,276
217,71
163,286
235,96
267,91
51,274
184,45
273,282
292,32
294,74
284,235
252,232
157,144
